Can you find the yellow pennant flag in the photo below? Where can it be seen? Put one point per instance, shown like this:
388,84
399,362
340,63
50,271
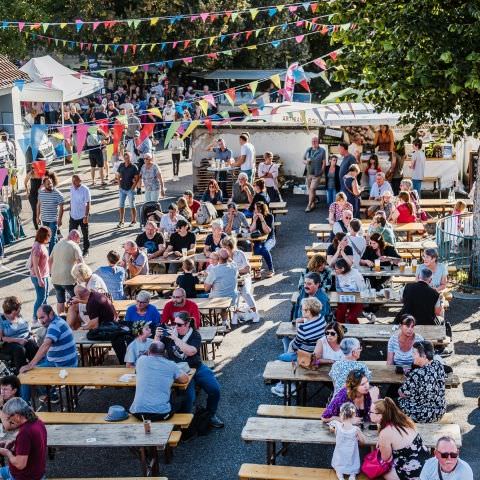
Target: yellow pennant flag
155,111
134,68
243,107
252,47
63,25
271,29
211,40
58,136
203,105
253,12
280,7
109,151
253,86
154,21
122,119
276,80
193,125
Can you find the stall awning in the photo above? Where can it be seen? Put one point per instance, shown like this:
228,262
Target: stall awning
65,86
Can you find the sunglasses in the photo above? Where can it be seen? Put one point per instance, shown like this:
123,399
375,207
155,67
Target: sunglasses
180,324
331,333
177,296
448,454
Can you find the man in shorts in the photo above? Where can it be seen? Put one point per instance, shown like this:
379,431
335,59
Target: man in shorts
128,177
314,160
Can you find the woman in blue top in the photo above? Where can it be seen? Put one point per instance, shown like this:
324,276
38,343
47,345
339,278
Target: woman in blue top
212,194
439,270
351,188
15,333
262,222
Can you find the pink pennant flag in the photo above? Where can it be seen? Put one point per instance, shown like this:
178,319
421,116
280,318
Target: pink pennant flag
236,35
228,14
81,45
125,48
187,60
299,38
333,55
82,130
175,43
204,17
66,131
320,62
212,55
134,48
324,30
209,98
293,8
186,43
194,17
95,25
145,68
299,23
213,17
3,175
21,26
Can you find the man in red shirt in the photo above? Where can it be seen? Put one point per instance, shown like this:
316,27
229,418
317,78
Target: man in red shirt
193,204
180,303
29,460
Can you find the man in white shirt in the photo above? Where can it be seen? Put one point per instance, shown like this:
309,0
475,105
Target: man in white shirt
418,166
356,240
446,464
380,187
80,200
246,160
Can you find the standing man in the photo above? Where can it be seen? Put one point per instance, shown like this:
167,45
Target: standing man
224,154
347,160
28,458
446,464
246,159
50,209
65,254
133,122
128,177
418,166
314,160
80,200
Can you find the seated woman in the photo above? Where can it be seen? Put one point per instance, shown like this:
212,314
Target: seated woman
405,210
262,222
212,194
357,390
327,350
439,270
398,440
400,344
377,249
422,395
348,280
309,329
268,171
387,204
339,248
318,264
352,350
184,209
260,195
183,239
214,239
380,225
337,207
15,334
142,332
406,185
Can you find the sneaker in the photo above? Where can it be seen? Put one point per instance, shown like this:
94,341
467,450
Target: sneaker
234,319
175,178
279,390
215,422
256,317
85,254
120,225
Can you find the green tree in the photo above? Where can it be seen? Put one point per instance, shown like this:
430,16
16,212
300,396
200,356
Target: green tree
421,58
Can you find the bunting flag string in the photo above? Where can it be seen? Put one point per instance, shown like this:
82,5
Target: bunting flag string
223,16
308,23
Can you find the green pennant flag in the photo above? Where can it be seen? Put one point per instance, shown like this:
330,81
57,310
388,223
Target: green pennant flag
234,16
142,46
170,132
130,23
75,161
92,130
197,42
136,23
45,27
227,52
224,114
64,42
324,77
56,42
95,46
257,32
345,26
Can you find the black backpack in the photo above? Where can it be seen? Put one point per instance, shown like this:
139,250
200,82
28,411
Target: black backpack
200,423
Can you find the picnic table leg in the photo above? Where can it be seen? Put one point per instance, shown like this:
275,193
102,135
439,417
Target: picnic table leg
82,355
287,393
271,453
143,461
49,403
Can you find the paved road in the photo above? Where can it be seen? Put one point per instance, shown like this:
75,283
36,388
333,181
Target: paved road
241,359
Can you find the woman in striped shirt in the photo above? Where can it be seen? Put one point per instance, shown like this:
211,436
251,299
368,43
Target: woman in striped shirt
400,344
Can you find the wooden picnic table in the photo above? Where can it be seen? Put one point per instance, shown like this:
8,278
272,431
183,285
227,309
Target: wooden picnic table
115,435
223,207
335,297
284,371
376,333
97,377
429,204
408,247
324,229
289,430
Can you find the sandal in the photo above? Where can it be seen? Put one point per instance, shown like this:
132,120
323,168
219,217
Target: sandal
120,225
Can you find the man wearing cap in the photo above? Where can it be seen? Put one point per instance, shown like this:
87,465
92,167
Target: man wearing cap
155,377
180,303
234,220
193,204
446,464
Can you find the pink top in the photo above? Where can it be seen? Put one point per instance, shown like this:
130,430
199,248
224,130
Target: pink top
337,209
41,252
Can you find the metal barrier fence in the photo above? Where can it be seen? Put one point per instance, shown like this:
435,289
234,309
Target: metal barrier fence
459,247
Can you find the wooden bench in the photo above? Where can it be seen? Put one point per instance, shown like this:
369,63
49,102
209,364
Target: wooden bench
113,478
251,471
280,211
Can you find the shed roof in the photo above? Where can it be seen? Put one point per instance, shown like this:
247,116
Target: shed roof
9,73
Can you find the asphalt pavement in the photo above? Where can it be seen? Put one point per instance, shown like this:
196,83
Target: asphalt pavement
241,357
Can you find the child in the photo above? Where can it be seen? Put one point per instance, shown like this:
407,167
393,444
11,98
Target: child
187,280
346,457
142,333
372,170
176,146
458,210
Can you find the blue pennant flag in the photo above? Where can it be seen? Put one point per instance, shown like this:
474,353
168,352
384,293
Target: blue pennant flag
164,46
272,11
260,102
276,43
19,84
37,134
115,48
4,25
284,27
169,63
222,38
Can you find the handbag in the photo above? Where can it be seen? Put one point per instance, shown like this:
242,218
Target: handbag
106,332
373,466
306,360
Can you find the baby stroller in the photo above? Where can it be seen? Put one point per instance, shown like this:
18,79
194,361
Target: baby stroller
151,211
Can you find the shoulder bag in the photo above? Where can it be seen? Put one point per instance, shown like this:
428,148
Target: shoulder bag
373,466
306,360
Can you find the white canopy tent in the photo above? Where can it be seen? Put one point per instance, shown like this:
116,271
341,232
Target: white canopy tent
65,87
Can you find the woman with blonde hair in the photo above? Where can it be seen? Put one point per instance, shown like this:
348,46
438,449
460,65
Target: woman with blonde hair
398,441
184,210
83,275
